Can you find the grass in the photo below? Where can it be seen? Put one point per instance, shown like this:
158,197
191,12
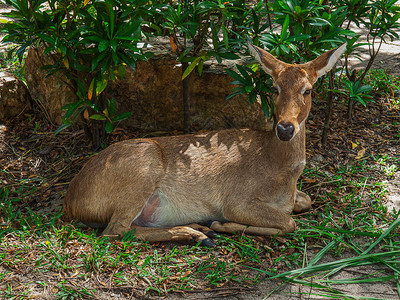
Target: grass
45,245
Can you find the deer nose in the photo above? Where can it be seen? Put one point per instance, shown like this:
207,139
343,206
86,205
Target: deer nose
285,131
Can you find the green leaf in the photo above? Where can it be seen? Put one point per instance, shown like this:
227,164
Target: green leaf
225,36
243,70
236,76
284,32
233,95
109,127
100,86
71,108
319,22
103,45
252,98
112,107
61,128
90,90
47,38
248,88
127,59
228,55
112,21
122,116
97,117
200,67
191,67
265,106
297,38
113,44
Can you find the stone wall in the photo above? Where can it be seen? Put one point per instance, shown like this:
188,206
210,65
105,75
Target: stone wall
14,96
154,96
52,92
153,93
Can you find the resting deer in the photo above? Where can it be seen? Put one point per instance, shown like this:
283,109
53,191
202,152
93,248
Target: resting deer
236,180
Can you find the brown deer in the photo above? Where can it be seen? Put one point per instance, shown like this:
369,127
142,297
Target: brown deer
236,180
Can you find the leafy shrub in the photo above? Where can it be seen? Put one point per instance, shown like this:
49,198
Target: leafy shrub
91,42
301,30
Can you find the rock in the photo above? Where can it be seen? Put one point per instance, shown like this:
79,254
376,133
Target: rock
14,96
318,158
52,92
153,93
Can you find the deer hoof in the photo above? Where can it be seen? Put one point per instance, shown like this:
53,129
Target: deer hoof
302,202
207,243
211,234
291,226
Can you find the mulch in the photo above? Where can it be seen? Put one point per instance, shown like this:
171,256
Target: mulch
42,163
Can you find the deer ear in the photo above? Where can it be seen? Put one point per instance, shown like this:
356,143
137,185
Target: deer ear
325,62
269,63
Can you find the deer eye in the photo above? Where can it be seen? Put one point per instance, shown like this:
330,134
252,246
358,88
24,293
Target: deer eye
307,92
275,90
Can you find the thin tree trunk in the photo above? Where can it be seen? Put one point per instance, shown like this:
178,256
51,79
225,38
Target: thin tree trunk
350,110
328,108
269,14
98,131
186,100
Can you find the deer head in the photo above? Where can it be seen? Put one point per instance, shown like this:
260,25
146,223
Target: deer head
293,85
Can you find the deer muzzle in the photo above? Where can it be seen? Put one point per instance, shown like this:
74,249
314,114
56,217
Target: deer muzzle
285,131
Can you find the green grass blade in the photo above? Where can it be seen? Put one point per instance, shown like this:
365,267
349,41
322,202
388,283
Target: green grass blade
355,280
328,247
335,264
394,225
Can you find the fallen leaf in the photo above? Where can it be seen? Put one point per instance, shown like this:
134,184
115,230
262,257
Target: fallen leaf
75,274
103,283
187,273
360,153
353,145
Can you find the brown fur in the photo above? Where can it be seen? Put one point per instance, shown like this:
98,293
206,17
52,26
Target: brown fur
243,180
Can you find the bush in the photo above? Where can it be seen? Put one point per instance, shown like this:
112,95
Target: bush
301,30
91,42
94,41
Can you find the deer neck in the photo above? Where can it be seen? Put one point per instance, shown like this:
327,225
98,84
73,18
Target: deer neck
291,151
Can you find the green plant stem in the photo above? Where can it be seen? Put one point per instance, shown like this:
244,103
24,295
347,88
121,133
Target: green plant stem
373,54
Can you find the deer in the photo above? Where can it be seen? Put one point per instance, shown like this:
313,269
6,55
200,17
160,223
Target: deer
192,187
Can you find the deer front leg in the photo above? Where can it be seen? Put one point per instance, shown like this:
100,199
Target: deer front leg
255,217
302,202
177,234
193,232
230,227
